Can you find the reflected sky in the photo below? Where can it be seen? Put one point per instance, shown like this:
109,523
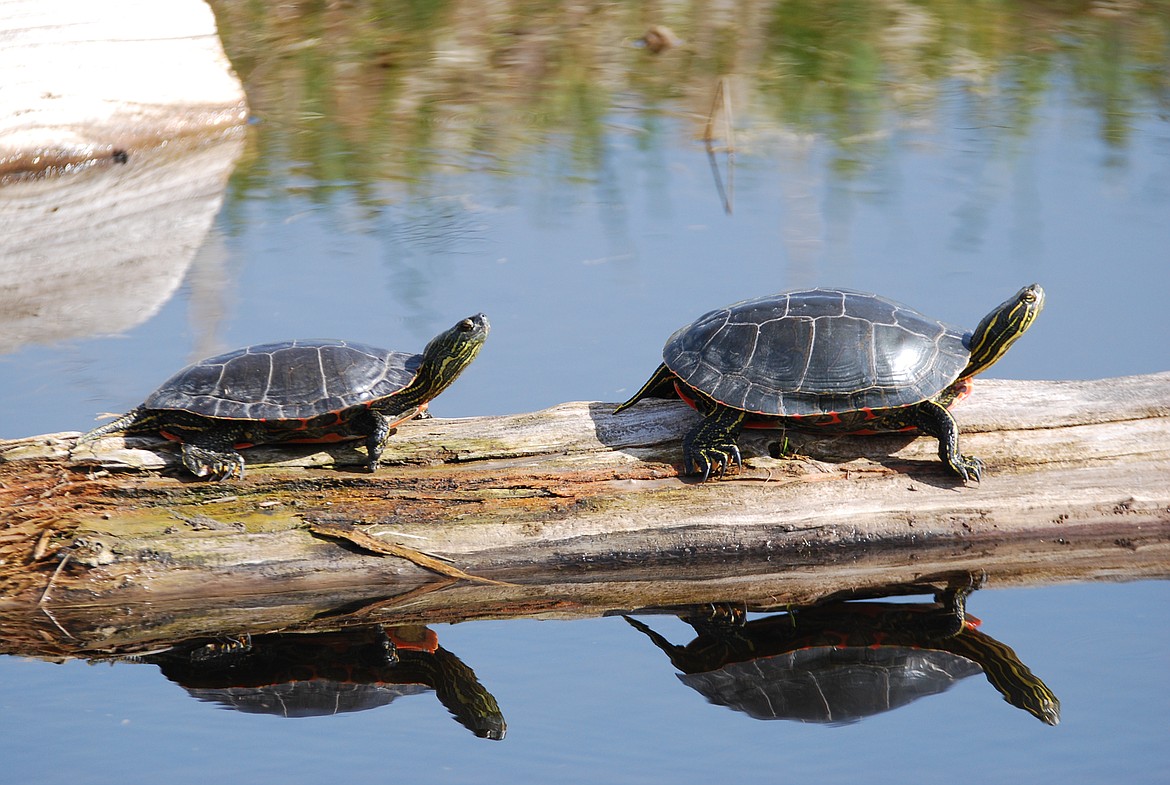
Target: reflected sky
594,695
585,281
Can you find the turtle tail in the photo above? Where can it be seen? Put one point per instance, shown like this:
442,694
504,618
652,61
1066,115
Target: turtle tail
677,654
127,423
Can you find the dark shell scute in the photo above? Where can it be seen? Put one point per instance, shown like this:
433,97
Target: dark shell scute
287,381
829,685
817,351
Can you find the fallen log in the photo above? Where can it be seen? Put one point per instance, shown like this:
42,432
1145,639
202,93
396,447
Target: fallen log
572,511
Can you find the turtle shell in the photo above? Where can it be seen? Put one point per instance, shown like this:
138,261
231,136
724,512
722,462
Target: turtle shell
312,698
290,380
830,685
817,351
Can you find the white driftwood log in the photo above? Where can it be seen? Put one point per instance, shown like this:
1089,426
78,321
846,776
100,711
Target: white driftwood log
582,512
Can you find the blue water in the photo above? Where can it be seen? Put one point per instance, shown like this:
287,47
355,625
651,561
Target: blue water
584,280
594,696
584,273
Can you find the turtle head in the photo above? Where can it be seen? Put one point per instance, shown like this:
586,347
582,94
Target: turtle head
1000,328
451,351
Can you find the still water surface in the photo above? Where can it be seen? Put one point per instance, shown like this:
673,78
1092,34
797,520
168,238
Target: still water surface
587,248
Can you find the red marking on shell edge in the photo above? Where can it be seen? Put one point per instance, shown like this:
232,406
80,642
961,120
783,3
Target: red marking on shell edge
962,390
767,423
328,438
429,642
688,400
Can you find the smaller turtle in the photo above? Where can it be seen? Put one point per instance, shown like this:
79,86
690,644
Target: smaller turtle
327,673
829,359
297,391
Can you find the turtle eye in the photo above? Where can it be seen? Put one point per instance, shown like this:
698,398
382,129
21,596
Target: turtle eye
466,326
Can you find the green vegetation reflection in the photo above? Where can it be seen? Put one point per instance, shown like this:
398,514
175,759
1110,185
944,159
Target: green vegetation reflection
360,92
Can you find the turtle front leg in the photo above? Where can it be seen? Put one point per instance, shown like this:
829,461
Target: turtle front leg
711,445
379,426
933,419
380,430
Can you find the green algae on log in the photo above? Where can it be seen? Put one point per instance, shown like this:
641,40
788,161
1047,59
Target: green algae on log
580,512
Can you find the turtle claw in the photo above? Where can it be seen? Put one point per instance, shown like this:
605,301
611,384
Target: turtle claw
709,461
968,468
711,446
212,464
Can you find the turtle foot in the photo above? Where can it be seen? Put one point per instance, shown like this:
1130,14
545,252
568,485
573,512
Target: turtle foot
213,464
710,447
968,468
711,460
716,615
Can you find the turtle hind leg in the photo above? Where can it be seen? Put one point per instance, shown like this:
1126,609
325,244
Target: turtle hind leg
933,419
212,453
711,445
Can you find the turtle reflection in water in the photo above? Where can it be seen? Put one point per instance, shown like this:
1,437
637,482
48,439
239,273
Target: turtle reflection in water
317,674
840,662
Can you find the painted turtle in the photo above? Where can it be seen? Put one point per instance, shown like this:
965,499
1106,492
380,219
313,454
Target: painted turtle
829,358
297,391
326,673
840,662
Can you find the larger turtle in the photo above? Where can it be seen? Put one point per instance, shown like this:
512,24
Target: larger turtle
829,359
297,391
843,661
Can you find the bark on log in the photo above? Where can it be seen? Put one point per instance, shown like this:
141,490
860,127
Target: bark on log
580,513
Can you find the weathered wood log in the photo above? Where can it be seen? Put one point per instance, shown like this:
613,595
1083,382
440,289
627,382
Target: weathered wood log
580,512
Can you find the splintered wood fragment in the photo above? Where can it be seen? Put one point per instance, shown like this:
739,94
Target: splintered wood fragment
375,545
42,546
